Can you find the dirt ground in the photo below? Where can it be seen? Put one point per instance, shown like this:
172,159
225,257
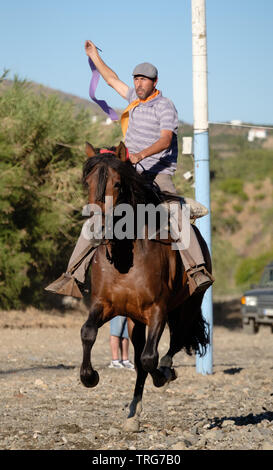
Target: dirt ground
44,405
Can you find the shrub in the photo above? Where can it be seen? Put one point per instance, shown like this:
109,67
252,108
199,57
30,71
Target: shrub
224,261
234,186
250,269
229,224
237,208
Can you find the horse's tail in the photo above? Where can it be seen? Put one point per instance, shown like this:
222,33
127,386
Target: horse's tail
191,329
197,338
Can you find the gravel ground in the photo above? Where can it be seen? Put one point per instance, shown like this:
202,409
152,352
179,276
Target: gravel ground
44,406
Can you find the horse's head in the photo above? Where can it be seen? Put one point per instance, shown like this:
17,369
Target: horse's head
107,173
102,176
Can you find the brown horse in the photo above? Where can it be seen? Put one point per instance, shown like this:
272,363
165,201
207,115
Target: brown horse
142,279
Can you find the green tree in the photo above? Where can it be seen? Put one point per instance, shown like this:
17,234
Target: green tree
42,141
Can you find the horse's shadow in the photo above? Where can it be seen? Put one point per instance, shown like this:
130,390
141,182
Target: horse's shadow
36,368
233,370
242,420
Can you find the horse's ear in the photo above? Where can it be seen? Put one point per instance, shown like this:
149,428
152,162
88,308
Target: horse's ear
121,152
89,150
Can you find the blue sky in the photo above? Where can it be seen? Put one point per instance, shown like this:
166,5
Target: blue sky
44,42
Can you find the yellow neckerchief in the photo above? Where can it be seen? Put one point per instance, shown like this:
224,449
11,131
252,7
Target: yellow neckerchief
124,120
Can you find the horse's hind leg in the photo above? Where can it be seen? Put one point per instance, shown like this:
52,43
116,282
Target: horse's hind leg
166,361
187,330
149,357
137,336
89,330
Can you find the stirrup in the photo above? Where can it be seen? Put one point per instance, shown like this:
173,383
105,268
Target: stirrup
206,280
65,285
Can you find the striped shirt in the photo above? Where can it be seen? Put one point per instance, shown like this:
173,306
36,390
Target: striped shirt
145,123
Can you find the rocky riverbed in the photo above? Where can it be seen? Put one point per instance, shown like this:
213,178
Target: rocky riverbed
44,406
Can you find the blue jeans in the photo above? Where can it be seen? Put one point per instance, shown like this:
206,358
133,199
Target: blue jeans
118,327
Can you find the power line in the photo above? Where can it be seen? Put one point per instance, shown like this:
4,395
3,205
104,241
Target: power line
240,125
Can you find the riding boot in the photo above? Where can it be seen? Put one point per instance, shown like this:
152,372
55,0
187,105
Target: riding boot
72,282
66,284
199,279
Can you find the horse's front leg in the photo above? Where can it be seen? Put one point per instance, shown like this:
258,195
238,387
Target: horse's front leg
137,336
89,330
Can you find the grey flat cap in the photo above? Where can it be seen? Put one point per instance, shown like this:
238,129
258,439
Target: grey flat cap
147,70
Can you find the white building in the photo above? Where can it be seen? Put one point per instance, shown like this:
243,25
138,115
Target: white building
108,121
255,133
236,122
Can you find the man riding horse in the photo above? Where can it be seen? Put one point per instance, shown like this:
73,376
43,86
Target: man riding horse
149,125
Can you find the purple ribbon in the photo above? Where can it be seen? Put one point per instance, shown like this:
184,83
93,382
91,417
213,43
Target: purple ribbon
92,89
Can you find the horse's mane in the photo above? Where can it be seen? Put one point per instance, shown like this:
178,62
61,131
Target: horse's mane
135,188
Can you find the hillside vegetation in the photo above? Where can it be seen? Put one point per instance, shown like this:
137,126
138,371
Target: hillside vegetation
241,206
42,140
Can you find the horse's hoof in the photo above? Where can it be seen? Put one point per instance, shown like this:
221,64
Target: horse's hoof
159,379
131,425
169,373
163,376
90,381
174,375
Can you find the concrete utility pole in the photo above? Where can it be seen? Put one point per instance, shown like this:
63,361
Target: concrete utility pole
204,365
